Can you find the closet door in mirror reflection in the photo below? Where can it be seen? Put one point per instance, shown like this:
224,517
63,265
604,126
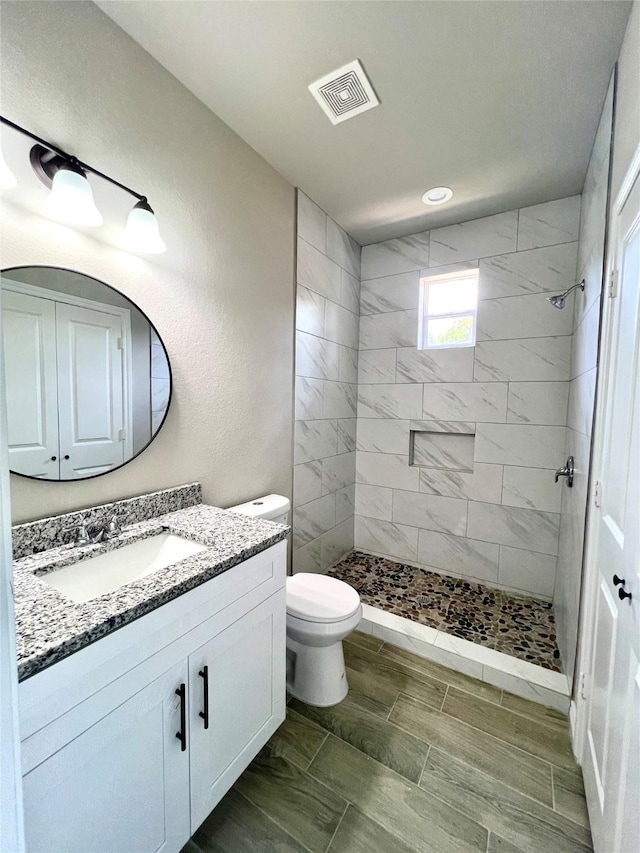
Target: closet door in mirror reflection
92,377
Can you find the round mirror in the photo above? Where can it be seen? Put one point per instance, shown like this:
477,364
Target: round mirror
88,380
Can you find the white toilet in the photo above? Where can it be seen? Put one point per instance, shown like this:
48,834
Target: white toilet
321,612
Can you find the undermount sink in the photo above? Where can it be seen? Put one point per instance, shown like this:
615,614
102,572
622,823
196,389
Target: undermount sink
107,572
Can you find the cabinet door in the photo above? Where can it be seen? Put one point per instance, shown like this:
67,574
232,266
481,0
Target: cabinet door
246,701
121,786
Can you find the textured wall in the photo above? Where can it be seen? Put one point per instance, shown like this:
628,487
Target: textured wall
222,297
328,295
584,359
498,524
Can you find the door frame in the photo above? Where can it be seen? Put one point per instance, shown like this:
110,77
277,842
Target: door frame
578,714
105,308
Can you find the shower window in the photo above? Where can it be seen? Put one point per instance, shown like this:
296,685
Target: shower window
448,307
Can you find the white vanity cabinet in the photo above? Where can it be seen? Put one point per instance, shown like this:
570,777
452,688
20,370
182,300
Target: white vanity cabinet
108,773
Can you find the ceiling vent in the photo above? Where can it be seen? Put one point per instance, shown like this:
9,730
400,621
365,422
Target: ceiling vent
344,93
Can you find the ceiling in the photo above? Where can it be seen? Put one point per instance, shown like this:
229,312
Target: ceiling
497,99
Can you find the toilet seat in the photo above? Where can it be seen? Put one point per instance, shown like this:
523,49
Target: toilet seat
318,598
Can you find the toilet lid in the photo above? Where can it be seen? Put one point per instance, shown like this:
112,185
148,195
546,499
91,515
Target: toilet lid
318,598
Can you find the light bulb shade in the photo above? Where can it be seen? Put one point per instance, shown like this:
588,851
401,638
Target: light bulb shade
7,178
142,233
71,199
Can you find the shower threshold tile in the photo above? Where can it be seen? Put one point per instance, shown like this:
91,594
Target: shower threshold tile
523,628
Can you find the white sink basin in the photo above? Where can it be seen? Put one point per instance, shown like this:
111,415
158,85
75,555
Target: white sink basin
107,572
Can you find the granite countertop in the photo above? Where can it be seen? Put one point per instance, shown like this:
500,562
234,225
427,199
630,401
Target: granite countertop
50,627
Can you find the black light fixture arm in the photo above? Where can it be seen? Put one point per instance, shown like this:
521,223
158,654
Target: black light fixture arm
74,160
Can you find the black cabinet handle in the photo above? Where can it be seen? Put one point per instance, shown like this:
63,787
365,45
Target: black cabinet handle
66,456
622,594
617,580
204,675
182,734
53,458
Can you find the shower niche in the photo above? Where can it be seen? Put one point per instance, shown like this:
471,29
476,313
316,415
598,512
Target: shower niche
442,446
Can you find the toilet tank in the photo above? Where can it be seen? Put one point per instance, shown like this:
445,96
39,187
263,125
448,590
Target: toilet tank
271,507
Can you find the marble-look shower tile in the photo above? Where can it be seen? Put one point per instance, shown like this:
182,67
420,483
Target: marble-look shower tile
435,365
376,366
336,543
549,223
317,272
340,325
312,222
345,503
374,501
348,370
346,434
549,269
316,358
343,249
390,401
314,440
581,402
395,329
528,529
484,484
403,254
531,488
466,401
430,512
458,554
384,537
307,482
443,450
159,363
520,444
538,403
527,570
309,311
306,558
338,472
350,292
391,293
160,391
340,400
313,519
520,317
383,435
309,394
584,353
479,238
530,360
386,469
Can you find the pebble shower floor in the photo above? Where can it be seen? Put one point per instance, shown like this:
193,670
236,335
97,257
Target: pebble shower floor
521,627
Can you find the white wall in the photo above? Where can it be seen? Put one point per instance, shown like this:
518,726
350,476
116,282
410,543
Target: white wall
627,120
327,309
222,296
498,524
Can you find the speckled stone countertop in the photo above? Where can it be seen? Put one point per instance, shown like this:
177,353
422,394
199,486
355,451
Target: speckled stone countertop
50,627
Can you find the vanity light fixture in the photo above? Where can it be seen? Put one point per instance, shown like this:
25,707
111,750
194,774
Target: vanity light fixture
7,178
437,195
71,196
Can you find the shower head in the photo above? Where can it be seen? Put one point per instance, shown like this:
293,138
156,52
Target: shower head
559,301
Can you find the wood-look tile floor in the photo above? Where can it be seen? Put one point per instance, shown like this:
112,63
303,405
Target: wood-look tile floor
417,758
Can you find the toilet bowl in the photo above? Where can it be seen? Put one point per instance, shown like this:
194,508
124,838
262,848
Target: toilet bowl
321,612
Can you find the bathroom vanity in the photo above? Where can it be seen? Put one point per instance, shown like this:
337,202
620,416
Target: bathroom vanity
140,707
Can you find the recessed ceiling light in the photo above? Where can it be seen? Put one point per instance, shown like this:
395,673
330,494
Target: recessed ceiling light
437,195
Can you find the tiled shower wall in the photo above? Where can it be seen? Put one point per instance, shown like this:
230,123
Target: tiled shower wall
584,358
328,302
508,396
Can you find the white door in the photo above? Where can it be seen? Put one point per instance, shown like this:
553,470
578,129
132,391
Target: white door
236,703
121,786
611,754
29,341
90,391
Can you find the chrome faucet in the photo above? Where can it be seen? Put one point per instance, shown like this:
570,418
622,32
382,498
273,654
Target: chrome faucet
91,536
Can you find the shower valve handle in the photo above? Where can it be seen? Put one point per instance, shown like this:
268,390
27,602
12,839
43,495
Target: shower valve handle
567,471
